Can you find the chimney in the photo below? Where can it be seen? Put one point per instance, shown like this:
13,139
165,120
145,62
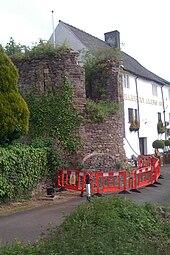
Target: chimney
113,39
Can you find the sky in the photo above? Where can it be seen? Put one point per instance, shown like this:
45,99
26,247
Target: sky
144,25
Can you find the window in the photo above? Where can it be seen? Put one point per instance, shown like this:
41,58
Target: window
132,114
154,90
126,81
159,116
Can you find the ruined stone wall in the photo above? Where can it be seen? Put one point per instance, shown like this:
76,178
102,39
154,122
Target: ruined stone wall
44,73
103,140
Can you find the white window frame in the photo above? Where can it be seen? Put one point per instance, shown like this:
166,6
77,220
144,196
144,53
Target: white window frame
126,82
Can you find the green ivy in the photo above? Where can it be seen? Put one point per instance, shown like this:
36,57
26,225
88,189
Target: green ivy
21,168
55,116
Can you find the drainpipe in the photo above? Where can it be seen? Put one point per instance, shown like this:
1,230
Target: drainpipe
123,103
137,96
163,104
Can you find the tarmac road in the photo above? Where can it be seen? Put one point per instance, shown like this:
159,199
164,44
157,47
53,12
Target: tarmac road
155,194
30,225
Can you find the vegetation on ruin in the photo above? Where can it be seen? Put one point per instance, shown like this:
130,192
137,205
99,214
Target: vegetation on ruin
98,111
37,50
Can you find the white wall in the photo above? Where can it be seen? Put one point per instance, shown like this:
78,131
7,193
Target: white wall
64,36
149,106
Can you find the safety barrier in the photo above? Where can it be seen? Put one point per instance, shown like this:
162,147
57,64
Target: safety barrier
147,173
72,179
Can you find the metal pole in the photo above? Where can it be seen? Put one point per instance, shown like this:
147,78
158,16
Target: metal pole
88,189
53,28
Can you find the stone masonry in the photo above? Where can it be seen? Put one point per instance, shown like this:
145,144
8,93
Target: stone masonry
103,142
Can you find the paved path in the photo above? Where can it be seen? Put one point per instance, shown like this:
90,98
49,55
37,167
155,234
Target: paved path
156,194
28,226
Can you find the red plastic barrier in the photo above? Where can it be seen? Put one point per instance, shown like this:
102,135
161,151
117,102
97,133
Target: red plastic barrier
109,182
72,179
147,173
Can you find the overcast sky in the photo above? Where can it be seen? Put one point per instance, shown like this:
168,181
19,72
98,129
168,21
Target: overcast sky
144,25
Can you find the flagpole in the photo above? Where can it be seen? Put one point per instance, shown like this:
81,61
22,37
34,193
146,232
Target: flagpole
53,28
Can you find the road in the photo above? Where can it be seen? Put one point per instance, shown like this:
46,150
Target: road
31,225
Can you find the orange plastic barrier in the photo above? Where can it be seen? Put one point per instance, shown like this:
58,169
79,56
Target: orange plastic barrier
108,182
72,179
147,173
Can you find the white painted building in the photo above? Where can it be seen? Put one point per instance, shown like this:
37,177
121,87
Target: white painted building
150,102
146,95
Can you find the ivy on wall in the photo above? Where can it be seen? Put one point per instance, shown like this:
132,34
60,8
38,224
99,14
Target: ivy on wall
53,115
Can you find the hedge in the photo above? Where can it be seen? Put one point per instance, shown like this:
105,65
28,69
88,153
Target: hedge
21,168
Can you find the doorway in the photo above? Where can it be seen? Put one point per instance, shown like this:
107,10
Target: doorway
143,145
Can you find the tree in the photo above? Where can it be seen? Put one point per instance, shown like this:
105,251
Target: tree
12,48
14,113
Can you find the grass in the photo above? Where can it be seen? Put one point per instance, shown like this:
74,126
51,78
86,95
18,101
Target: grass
107,225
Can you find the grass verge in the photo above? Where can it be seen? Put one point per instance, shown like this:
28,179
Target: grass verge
109,226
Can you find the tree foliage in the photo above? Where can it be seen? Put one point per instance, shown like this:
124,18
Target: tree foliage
158,144
12,48
37,50
14,113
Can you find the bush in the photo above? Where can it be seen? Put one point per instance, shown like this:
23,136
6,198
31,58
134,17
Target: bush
56,156
21,168
100,110
167,142
158,144
14,113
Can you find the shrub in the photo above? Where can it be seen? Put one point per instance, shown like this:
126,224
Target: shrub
158,144
167,142
14,113
56,156
21,168
100,110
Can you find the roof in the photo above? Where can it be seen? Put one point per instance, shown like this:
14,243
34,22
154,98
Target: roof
131,65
